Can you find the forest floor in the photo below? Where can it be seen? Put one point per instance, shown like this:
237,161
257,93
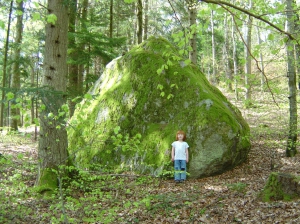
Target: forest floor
231,197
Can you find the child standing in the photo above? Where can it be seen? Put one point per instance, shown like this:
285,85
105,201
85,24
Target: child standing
180,156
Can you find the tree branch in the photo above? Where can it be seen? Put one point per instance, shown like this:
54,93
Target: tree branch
222,3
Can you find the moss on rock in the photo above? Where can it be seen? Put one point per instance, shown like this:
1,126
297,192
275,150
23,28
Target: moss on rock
128,95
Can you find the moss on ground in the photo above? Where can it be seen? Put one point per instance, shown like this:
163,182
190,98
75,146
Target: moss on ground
274,190
128,95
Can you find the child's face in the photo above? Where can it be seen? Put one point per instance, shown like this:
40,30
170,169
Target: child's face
180,136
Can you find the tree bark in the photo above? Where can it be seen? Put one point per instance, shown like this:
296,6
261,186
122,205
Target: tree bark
235,61
146,20
213,44
292,137
248,59
193,23
4,66
84,16
111,18
15,82
73,66
226,55
262,77
140,21
53,144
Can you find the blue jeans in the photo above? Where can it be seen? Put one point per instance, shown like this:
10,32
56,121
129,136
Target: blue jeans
180,169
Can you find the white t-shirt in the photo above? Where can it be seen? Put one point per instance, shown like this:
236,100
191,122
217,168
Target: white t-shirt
180,150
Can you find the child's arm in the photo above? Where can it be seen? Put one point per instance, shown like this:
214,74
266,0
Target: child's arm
187,154
173,154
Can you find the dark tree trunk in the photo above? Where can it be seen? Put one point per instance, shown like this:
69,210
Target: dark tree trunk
140,21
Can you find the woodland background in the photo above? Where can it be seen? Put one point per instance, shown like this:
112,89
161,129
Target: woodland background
58,49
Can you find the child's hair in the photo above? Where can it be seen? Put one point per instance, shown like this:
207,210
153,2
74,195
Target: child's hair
180,132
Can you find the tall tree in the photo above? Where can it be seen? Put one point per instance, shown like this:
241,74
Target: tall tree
213,44
226,55
292,137
15,82
262,65
52,149
248,58
146,20
192,8
140,21
73,61
111,18
4,66
235,60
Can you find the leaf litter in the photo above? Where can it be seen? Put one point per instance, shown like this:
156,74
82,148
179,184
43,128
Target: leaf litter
231,197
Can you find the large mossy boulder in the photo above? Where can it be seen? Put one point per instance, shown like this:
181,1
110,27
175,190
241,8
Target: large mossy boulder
135,113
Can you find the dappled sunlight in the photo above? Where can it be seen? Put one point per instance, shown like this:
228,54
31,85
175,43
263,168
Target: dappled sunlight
217,188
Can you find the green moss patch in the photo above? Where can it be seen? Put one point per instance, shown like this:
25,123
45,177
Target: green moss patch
281,186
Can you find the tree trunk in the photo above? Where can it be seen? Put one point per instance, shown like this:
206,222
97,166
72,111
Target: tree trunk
248,60
4,66
193,23
84,17
146,20
73,66
262,77
53,144
15,82
213,44
111,18
234,58
140,21
226,56
292,137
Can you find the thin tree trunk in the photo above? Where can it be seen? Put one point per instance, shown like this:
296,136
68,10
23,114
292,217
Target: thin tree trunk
292,137
4,66
248,70
213,44
73,66
111,18
262,78
193,23
248,59
235,61
226,56
140,21
146,20
15,82
84,17
53,144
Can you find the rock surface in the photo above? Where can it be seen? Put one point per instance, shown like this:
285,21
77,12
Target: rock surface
135,113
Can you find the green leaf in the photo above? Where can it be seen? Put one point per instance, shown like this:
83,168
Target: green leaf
88,96
10,96
162,94
2,25
129,1
271,37
160,87
117,129
187,61
51,18
36,16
